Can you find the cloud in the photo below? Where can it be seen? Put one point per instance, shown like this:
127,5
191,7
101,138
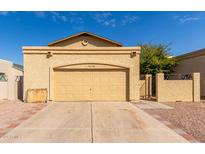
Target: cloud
71,17
111,22
40,14
104,18
108,19
55,16
4,13
187,18
64,18
74,17
129,19
101,17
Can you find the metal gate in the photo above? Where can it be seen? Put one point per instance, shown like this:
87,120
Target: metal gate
154,86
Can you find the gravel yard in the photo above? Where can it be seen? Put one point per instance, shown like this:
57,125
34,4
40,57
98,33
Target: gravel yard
189,117
13,113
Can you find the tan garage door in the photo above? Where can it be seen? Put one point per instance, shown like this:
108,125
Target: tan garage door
95,85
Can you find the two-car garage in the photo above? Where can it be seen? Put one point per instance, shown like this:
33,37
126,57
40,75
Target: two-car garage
91,85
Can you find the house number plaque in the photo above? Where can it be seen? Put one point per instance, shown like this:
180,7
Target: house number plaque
91,66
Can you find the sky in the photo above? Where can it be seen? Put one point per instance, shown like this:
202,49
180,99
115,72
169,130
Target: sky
183,31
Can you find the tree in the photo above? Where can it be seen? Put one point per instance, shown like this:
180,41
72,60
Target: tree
156,59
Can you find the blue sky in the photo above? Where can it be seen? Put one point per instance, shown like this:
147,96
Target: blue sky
184,31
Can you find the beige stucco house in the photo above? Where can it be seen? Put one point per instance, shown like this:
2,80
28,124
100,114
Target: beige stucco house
83,67
11,74
193,62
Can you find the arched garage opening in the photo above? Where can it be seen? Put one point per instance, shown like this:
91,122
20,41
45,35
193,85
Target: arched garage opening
91,82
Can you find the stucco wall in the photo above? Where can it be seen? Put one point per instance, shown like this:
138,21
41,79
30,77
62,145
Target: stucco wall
38,69
194,64
177,90
9,88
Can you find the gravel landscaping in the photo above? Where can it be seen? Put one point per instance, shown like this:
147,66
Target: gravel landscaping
13,113
187,116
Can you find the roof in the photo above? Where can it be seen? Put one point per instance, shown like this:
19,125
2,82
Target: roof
3,60
17,66
192,54
83,34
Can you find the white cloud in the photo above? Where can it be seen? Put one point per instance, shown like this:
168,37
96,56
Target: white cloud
101,16
108,19
55,16
71,17
104,18
64,18
129,19
187,18
4,13
110,22
40,14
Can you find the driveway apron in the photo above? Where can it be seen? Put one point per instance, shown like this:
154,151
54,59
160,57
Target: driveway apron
92,122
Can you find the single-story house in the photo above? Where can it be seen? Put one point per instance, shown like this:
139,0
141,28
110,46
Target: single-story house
11,80
83,67
193,62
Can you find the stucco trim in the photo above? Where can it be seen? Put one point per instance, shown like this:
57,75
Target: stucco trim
85,33
44,50
86,66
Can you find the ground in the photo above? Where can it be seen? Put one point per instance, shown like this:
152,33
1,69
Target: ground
184,115
90,122
13,113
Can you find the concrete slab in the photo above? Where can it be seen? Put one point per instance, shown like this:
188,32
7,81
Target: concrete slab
122,122
58,122
92,122
147,104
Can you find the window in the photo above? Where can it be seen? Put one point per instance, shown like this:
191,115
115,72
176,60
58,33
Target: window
3,77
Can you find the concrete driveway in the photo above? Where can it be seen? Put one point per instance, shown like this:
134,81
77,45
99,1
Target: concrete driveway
92,122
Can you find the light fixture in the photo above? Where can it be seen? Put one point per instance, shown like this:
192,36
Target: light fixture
49,54
133,54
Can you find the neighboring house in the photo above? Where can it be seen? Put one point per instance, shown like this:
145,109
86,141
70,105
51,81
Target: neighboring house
83,67
11,81
193,62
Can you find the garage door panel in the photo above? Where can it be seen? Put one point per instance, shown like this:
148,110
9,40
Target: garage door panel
82,85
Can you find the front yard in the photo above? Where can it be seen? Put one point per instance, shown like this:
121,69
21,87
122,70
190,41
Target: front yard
190,117
13,113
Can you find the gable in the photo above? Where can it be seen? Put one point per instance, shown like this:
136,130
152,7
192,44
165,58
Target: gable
85,40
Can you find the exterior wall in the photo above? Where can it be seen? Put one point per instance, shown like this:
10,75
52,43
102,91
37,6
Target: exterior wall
11,86
194,64
92,42
177,90
3,90
38,69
